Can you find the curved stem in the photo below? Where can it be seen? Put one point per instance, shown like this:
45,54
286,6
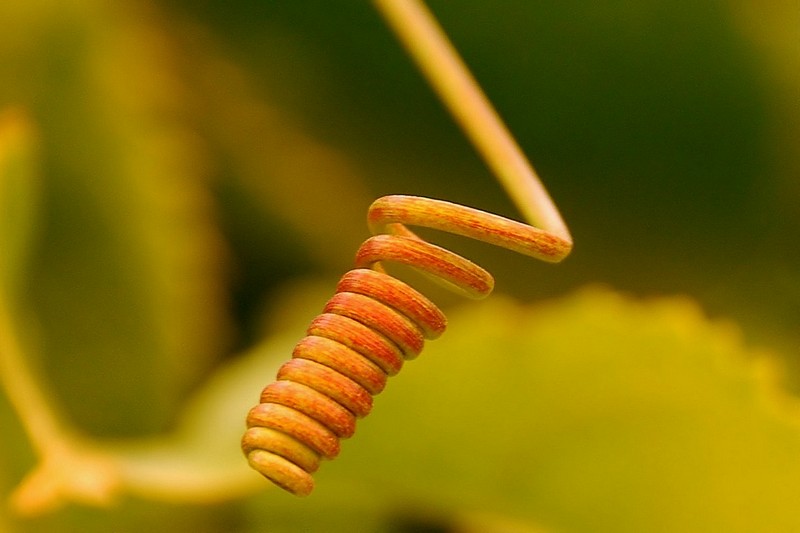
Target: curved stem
427,44
68,467
34,411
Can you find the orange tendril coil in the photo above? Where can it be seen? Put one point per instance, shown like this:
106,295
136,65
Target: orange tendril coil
368,329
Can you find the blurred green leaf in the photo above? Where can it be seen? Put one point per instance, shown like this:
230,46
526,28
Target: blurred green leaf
127,281
595,412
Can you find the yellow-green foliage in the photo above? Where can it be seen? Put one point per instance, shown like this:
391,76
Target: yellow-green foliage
166,170
595,412
126,253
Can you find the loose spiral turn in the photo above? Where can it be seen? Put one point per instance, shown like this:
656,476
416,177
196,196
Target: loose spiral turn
368,329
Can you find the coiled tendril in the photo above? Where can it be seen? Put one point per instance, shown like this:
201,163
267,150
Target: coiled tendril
368,329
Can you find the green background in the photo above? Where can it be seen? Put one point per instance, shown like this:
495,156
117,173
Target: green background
199,162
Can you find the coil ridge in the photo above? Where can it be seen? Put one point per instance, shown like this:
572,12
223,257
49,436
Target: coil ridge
368,329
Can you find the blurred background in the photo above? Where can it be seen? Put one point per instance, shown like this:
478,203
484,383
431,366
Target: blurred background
197,160
666,132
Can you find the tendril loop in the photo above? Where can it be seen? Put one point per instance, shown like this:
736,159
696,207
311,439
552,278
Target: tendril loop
369,328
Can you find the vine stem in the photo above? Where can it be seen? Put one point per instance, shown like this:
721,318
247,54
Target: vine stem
35,412
18,146
426,42
68,467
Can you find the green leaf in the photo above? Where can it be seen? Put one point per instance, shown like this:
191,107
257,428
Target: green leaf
595,412
127,281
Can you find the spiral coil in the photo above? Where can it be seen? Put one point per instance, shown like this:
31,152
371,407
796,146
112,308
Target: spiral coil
372,324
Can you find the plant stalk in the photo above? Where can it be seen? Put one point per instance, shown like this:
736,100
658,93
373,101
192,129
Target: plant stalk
429,47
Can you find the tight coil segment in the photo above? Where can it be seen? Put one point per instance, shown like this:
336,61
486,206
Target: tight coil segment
368,329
